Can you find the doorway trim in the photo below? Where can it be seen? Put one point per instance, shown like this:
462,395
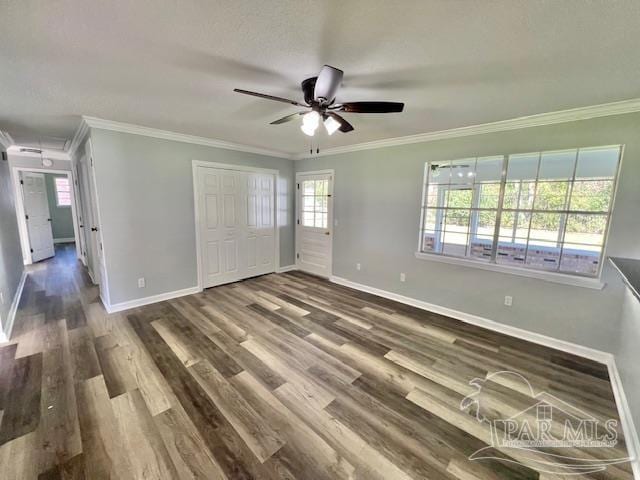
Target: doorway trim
238,168
296,225
22,223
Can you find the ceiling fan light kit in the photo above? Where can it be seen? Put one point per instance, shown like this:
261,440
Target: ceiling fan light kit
319,96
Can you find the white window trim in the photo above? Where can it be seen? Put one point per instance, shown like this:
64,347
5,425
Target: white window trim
574,280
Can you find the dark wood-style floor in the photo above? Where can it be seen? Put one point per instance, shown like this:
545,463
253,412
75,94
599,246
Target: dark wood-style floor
281,376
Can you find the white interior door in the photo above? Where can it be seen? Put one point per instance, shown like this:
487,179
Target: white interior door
260,214
36,208
314,226
89,222
236,216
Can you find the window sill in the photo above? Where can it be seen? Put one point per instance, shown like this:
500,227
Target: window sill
585,282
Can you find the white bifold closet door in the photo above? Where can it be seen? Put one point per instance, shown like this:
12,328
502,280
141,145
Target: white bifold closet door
236,215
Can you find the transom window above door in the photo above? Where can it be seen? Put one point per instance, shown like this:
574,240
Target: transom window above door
315,203
546,210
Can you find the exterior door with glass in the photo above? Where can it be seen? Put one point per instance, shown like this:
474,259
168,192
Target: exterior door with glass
314,224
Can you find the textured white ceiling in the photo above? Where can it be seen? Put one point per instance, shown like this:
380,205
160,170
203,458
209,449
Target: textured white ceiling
173,64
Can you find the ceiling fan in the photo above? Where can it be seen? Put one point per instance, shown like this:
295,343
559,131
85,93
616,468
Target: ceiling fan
319,96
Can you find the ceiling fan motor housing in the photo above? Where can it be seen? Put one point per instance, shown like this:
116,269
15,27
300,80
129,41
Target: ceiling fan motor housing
308,87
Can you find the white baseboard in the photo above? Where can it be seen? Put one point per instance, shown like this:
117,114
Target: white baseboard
624,412
573,348
630,433
139,302
11,317
286,268
64,240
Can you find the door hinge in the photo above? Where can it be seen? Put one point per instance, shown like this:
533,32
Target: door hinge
26,217
21,182
298,186
298,221
297,255
31,250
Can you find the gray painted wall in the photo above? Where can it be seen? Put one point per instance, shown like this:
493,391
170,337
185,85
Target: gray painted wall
61,217
627,353
145,196
377,204
11,265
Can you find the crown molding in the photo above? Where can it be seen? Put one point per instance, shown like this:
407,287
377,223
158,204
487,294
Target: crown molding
100,123
562,116
78,137
5,139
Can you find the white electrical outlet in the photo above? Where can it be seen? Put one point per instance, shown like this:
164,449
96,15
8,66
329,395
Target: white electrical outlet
141,282
403,277
508,300
358,266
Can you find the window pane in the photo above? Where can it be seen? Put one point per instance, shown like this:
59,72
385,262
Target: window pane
440,172
457,220
587,229
321,187
527,195
486,222
432,241
307,203
542,256
511,251
557,165
463,171
307,219
577,259
597,162
551,196
591,196
455,243
489,195
433,218
511,194
308,187
545,228
321,204
489,169
523,166
480,247
459,197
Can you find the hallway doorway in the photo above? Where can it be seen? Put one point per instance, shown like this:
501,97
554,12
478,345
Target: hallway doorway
46,212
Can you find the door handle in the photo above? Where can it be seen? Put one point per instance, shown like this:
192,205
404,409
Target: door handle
327,233
94,229
48,219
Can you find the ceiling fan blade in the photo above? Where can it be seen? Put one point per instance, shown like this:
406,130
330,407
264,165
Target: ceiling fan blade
288,118
344,125
327,84
371,107
269,97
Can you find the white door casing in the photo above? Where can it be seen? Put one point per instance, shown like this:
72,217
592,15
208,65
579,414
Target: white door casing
36,207
314,222
235,224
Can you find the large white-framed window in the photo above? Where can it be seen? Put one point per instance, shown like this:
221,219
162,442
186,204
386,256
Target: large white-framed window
546,211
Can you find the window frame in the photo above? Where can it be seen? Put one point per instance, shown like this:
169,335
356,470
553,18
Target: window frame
558,276
57,192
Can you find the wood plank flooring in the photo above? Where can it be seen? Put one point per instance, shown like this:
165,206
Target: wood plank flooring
278,377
